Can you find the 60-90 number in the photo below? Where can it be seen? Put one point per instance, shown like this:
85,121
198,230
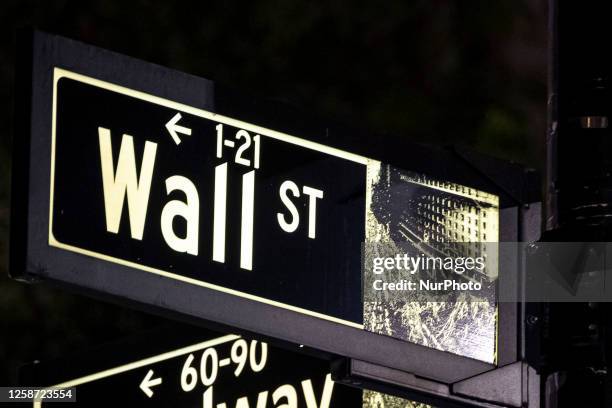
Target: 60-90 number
241,353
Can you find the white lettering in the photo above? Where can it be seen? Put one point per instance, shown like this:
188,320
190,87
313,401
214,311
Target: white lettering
288,392
309,395
312,194
116,183
295,216
188,210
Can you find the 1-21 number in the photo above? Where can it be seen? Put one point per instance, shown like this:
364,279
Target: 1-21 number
244,141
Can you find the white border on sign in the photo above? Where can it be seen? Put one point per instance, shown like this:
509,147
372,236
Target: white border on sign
59,73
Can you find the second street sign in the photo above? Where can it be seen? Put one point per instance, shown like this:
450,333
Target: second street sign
180,366
208,371
193,196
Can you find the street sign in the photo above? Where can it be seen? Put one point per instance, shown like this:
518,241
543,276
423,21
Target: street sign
215,371
155,188
198,197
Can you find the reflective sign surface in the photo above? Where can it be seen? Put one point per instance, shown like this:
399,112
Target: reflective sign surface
190,195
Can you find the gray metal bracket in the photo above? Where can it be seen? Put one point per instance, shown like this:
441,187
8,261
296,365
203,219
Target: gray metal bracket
516,385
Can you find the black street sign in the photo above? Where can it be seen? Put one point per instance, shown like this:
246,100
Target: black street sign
167,192
215,371
194,196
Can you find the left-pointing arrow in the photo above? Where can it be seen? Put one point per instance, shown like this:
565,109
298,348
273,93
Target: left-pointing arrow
149,382
175,129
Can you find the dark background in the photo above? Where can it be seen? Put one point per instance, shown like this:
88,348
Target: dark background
470,73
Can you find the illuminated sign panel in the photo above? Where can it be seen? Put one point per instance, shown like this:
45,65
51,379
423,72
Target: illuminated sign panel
215,372
194,196
435,218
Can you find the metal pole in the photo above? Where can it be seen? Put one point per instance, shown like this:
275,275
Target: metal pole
578,194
